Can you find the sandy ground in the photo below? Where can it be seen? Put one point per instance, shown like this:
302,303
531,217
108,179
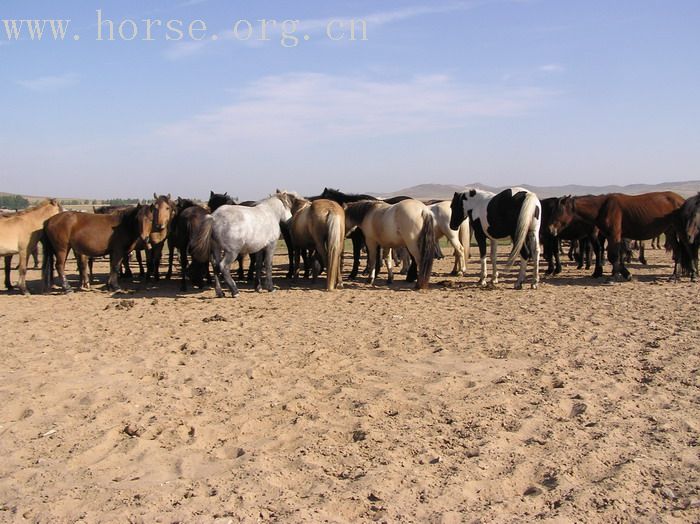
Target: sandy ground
575,402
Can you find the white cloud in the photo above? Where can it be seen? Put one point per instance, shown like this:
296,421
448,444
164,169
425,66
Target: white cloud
50,83
319,26
318,107
551,68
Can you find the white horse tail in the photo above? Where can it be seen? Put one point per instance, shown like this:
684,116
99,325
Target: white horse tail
465,238
525,218
200,241
426,248
334,248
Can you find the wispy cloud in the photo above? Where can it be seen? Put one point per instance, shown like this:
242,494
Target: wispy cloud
314,27
551,68
50,83
311,106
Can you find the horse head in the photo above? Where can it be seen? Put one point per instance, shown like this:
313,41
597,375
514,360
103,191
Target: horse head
163,212
563,214
458,213
691,218
216,200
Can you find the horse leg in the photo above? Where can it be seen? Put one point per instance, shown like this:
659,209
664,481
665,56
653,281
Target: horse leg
127,268
224,267
642,258
358,240
287,236
389,261
258,270
61,257
156,255
598,251
23,262
171,254
115,262
494,256
535,253
457,270
183,270
8,268
269,253
253,268
83,270
481,243
215,261
371,259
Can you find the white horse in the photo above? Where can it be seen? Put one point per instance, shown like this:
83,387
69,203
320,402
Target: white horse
459,240
514,213
239,230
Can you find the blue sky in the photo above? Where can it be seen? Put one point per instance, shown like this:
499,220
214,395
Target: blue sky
502,92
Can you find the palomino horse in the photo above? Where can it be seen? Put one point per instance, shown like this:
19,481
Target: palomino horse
577,231
618,216
407,224
236,230
513,213
459,240
321,225
93,235
358,242
689,234
19,234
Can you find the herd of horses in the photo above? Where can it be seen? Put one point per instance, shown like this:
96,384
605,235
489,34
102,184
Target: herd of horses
209,239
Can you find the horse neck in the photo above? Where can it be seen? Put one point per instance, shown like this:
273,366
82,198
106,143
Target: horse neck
356,212
588,208
273,206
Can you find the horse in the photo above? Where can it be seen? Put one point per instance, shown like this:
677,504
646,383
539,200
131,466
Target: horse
408,223
358,241
320,224
180,205
689,234
578,231
618,216
514,213
92,235
19,234
125,268
236,230
459,240
187,220
163,213
217,200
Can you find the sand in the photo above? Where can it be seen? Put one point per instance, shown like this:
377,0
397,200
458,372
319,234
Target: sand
575,402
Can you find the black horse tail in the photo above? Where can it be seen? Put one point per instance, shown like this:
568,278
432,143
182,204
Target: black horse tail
200,241
47,263
426,248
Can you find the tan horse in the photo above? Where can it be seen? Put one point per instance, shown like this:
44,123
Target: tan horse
19,234
163,214
409,223
320,225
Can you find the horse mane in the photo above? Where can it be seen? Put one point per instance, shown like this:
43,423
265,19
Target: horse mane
356,211
43,203
690,207
184,203
346,198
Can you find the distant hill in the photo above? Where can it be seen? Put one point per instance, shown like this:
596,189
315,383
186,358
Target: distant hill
435,191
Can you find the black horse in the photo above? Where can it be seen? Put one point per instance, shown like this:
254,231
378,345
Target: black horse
586,235
180,205
358,239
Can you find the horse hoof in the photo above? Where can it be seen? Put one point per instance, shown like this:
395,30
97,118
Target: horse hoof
518,285
271,290
535,285
25,292
67,291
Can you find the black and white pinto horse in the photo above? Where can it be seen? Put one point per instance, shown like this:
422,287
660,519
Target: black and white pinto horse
514,213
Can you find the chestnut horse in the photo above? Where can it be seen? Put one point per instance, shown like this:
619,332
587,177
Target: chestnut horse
618,216
321,225
92,235
19,234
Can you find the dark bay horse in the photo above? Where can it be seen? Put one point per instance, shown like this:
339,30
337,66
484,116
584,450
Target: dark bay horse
689,235
585,233
92,235
618,216
187,220
180,205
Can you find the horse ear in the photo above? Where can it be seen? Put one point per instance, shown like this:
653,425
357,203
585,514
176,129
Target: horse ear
169,196
472,192
211,193
155,196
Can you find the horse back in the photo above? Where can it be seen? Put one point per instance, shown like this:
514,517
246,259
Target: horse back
86,233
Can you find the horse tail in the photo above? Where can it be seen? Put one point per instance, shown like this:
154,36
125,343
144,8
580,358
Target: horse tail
334,248
200,240
524,220
426,248
47,263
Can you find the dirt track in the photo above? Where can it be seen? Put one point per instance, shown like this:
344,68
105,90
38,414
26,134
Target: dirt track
575,402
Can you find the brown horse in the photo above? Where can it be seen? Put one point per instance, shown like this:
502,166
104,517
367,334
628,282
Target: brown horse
188,219
618,216
321,225
19,234
91,235
163,214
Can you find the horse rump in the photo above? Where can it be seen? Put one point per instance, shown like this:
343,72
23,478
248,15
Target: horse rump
200,240
426,247
525,217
